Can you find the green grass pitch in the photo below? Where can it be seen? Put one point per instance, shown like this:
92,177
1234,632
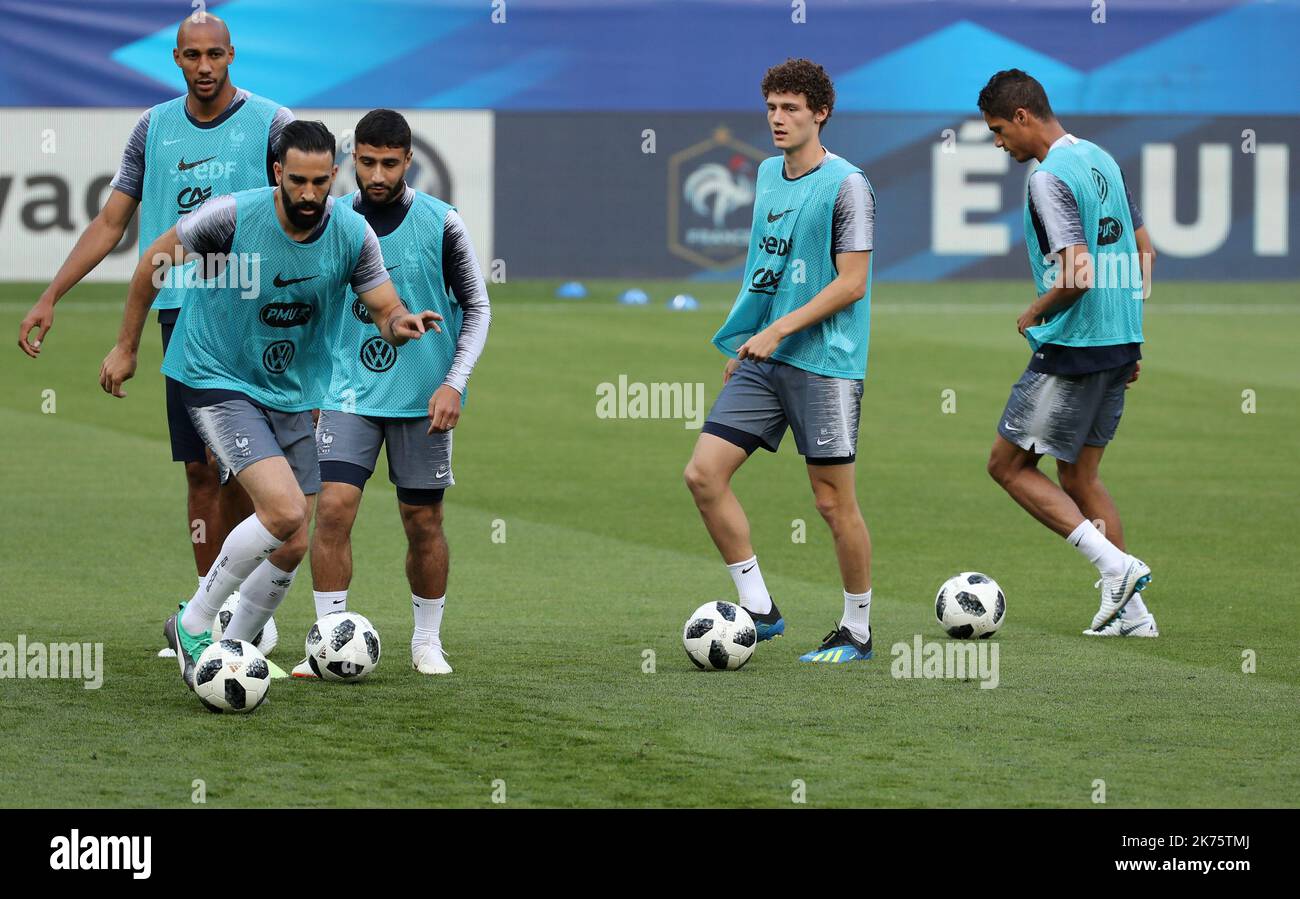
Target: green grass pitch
604,557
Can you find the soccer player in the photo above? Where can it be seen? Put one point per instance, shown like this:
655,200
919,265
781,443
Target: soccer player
798,337
216,139
1085,331
408,401
251,367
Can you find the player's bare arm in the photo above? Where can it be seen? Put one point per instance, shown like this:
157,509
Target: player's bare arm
397,323
1147,253
95,243
848,286
119,365
1078,262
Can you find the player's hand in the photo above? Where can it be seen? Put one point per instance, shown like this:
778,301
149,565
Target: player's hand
444,409
41,315
412,325
729,369
117,369
760,347
1029,318
1137,367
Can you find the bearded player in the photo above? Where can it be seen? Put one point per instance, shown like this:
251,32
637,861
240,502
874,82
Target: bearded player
253,367
1085,331
406,402
797,335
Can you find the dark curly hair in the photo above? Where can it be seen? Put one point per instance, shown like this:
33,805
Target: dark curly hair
802,76
1013,89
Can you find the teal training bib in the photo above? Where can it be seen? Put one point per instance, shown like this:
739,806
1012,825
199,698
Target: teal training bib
274,346
186,164
370,376
790,261
1111,311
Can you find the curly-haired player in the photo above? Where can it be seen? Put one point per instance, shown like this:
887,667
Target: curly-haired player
797,335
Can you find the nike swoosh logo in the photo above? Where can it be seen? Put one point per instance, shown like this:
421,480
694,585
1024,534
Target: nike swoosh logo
1124,633
864,605
1009,428
441,474
389,268
337,601
821,442
183,165
747,570
285,282
773,218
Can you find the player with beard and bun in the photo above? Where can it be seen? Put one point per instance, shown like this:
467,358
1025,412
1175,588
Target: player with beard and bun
214,140
797,335
253,361
407,402
1085,332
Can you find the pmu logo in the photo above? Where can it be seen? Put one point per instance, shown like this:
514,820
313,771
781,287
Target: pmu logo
277,356
765,280
286,315
1109,231
711,201
1099,180
361,312
190,198
378,354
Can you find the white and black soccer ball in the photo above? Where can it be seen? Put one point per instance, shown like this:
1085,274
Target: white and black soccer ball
719,636
970,604
343,646
266,638
231,676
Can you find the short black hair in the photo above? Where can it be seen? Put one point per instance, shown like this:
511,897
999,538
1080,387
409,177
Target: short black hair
383,128
1013,89
309,137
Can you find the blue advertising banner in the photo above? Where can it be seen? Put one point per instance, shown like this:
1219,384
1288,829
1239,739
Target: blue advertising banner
672,196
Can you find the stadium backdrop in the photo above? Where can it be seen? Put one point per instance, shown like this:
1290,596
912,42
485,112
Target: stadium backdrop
540,127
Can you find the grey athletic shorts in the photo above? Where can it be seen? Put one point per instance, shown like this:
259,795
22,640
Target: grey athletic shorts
762,399
1058,415
417,460
240,433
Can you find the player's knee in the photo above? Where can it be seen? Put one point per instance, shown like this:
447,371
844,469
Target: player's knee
835,508
285,517
1076,482
702,483
333,516
423,525
1000,470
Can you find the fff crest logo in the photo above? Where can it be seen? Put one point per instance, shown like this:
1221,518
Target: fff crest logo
711,201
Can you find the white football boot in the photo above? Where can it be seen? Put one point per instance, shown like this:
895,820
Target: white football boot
1123,627
1117,591
428,658
303,669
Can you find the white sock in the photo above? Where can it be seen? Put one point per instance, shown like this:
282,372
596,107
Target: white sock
1109,558
857,614
749,584
329,601
248,544
428,618
259,596
1136,609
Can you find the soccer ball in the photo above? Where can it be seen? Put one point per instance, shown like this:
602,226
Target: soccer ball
266,638
719,636
231,676
970,604
343,646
